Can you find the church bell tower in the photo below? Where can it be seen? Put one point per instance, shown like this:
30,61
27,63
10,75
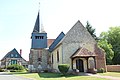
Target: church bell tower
39,36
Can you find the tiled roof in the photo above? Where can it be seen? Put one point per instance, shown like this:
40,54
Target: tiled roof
83,52
50,41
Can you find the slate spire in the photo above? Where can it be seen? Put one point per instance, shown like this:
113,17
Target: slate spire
37,24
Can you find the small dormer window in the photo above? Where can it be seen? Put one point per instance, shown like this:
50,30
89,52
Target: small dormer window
16,55
39,37
12,55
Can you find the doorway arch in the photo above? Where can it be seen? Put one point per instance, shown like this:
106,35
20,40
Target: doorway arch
79,65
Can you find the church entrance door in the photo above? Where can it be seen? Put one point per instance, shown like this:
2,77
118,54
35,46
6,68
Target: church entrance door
79,65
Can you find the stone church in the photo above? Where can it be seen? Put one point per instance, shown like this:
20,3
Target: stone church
76,48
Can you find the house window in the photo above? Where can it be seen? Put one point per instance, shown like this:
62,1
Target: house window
39,37
12,55
16,55
57,55
13,62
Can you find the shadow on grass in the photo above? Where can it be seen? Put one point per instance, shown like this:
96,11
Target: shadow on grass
54,75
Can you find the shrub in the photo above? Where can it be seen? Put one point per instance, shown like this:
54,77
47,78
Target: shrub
1,70
15,67
101,70
63,68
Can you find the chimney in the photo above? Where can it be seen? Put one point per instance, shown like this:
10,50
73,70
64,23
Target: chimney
21,52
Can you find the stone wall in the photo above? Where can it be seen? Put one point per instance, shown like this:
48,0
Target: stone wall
76,37
100,58
113,68
39,58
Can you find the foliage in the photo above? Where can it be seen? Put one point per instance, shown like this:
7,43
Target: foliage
63,68
103,43
101,70
15,67
91,30
1,70
113,37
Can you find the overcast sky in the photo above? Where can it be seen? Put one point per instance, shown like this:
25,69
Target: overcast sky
17,19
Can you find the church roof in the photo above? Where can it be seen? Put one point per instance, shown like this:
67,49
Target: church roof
49,42
78,33
83,52
56,41
37,24
12,54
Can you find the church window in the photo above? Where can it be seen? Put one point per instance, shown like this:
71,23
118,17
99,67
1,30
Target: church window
52,58
57,56
39,59
40,55
39,37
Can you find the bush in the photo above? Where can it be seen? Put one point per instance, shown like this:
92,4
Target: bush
1,70
63,68
101,70
15,67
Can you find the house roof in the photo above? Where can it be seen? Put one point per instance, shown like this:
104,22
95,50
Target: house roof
83,52
12,52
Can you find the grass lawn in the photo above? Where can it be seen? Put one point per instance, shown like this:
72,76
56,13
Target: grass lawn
114,74
55,76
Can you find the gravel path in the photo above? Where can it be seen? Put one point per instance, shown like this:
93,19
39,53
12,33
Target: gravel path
5,76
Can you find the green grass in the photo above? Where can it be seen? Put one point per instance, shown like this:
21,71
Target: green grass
54,76
114,74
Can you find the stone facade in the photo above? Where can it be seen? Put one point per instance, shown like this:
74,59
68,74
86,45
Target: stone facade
76,38
64,50
39,59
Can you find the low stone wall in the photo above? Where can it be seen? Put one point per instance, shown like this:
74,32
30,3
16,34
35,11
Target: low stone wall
113,68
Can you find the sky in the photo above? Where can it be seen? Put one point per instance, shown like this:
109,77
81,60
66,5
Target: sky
17,19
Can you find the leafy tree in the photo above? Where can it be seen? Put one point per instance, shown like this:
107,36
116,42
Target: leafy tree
103,43
91,30
114,40
113,37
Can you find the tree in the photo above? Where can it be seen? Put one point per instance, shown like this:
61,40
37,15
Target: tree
107,47
91,30
112,36
114,40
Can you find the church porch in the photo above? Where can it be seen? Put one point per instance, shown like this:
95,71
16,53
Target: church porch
83,60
